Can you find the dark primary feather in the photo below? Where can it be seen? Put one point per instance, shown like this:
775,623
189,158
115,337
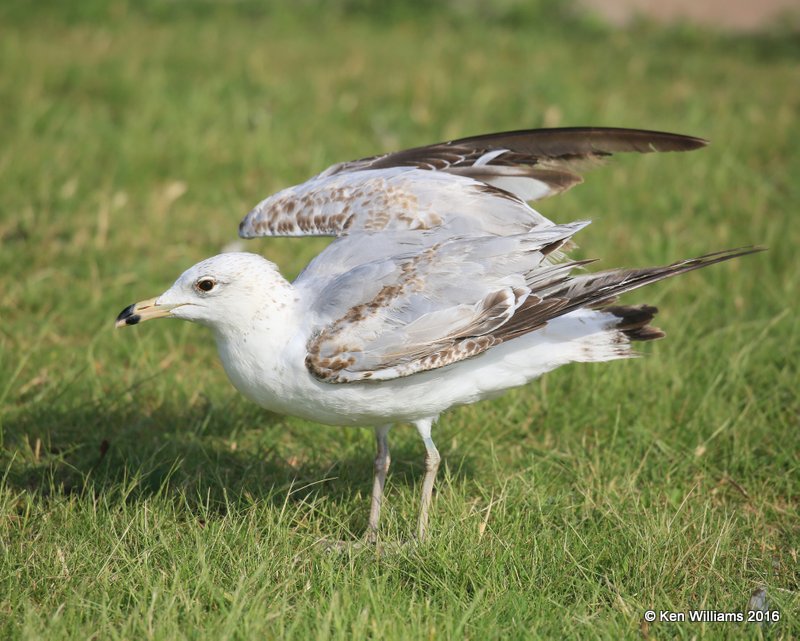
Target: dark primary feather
571,141
530,147
550,157
591,290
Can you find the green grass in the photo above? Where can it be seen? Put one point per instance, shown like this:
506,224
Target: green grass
142,498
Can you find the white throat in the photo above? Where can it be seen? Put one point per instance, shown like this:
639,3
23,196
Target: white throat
256,351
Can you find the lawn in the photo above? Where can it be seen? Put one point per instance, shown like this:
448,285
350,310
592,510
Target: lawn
143,498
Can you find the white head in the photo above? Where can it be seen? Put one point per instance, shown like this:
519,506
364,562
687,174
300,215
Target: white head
228,291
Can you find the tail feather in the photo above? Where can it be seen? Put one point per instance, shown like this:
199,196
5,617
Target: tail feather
634,321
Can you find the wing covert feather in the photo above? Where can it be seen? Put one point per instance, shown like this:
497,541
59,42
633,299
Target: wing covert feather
425,309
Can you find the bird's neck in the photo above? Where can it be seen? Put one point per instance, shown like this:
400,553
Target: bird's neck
268,316
255,350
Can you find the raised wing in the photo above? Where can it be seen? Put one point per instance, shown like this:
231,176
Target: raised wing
454,300
476,185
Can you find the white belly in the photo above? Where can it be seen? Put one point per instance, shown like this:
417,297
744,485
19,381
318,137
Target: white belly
277,379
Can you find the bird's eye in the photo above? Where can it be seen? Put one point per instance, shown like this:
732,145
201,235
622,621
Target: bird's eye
205,284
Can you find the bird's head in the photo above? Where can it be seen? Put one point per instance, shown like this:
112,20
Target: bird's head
228,289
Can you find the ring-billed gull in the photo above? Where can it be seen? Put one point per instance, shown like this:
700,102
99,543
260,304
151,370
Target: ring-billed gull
443,288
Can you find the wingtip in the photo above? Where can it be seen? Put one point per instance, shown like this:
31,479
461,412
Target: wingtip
695,142
661,141
741,251
719,257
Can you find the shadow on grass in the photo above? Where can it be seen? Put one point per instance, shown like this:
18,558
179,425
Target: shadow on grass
205,458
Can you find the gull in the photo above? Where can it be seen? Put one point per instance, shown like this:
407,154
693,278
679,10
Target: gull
443,287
